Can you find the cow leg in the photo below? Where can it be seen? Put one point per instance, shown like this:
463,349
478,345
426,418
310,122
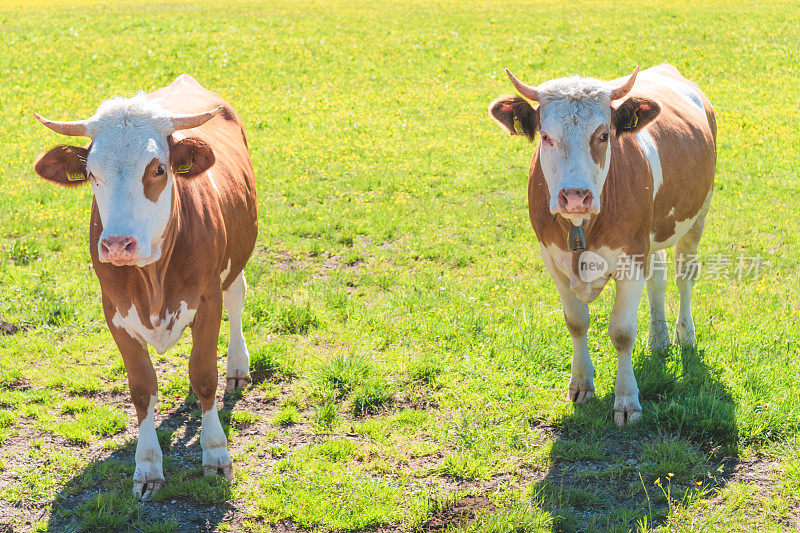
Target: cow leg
576,315
203,378
622,330
148,477
658,338
686,272
238,373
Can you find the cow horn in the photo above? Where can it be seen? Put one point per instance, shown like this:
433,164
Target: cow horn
74,128
626,87
528,91
184,122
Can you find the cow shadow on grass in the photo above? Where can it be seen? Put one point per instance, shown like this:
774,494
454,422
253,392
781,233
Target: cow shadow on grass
98,498
602,478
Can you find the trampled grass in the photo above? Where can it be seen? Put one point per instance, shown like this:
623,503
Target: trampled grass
408,347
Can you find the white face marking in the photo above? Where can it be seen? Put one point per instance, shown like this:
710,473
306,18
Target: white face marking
571,111
166,331
148,451
648,146
127,135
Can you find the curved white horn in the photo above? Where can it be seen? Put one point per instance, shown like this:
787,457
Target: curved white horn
74,128
528,91
626,87
184,122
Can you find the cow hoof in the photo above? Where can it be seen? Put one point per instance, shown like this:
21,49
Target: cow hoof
224,471
145,490
658,339
627,410
217,461
684,333
238,382
580,393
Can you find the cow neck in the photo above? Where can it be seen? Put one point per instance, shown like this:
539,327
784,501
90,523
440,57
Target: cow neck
154,275
587,226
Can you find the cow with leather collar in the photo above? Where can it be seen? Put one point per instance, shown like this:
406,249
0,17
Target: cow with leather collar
173,223
631,163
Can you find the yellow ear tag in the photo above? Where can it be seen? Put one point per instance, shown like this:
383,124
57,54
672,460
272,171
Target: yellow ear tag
634,122
518,127
75,176
186,167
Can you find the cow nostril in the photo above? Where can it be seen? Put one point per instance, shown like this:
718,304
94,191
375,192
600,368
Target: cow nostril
587,201
131,246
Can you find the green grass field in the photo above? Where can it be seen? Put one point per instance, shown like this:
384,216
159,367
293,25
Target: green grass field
410,349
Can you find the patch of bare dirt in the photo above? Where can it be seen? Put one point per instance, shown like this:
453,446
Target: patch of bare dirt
459,513
760,471
8,328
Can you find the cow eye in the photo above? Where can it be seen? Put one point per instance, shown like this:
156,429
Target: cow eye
604,137
160,170
546,138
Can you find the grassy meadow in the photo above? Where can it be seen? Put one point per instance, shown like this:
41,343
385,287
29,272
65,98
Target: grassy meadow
409,349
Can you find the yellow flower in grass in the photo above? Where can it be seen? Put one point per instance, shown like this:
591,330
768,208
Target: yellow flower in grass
657,481
670,474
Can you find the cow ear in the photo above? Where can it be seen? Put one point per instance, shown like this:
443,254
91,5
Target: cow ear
64,165
189,156
515,115
634,114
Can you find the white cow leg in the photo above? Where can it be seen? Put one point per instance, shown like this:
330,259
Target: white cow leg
687,270
238,374
148,477
576,315
658,337
203,377
622,330
215,446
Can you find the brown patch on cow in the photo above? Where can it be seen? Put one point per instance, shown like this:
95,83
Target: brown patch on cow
511,110
460,513
687,161
153,183
599,147
63,165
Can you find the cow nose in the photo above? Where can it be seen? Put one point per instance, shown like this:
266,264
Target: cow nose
575,200
119,249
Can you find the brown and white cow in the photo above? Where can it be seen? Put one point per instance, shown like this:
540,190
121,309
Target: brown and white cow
632,166
173,223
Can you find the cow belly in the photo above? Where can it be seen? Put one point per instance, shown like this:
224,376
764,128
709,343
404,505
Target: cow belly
681,227
163,332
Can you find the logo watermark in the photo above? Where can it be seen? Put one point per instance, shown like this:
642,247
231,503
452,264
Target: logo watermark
592,266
